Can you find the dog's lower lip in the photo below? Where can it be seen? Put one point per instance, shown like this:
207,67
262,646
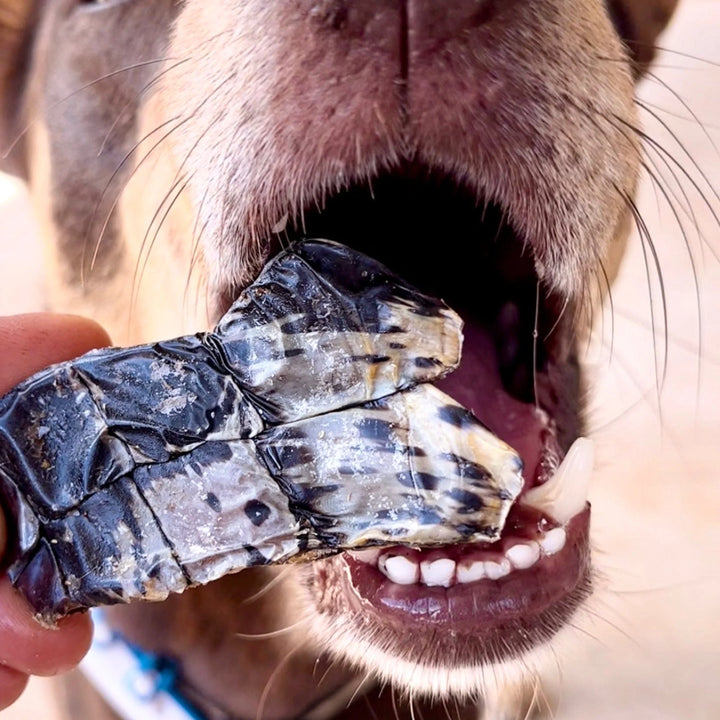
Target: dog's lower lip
482,608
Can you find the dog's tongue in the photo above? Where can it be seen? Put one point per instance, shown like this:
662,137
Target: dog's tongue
478,386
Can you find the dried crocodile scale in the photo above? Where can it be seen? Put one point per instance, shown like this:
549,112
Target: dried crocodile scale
300,426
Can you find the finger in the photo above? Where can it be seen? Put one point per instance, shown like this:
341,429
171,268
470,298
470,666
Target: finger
12,684
29,343
30,648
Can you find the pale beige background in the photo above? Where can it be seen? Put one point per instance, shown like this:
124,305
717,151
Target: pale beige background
649,645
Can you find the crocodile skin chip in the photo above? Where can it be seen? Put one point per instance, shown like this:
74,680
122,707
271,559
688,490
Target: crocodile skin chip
302,425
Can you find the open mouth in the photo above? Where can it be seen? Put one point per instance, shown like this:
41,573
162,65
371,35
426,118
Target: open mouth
463,604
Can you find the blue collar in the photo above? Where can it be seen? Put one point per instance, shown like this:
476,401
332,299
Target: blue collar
135,683
140,685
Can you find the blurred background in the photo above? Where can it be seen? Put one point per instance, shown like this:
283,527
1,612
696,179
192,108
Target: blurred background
648,646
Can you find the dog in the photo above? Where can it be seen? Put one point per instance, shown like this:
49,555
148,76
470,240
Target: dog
172,147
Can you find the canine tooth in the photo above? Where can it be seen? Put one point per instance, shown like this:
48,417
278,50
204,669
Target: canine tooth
470,571
399,569
565,494
553,541
523,555
496,570
438,572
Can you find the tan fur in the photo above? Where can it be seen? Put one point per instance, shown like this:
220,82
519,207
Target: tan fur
532,110
581,95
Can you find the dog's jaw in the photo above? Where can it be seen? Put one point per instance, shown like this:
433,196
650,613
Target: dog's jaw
273,108
519,123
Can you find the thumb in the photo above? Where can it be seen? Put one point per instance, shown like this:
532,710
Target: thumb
29,343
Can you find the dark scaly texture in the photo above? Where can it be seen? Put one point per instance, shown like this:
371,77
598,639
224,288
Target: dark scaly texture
294,429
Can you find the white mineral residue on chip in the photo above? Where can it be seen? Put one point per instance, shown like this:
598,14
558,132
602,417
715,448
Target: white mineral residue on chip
123,538
178,400
160,371
173,379
72,583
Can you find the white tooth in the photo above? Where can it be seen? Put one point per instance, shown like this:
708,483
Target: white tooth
470,571
565,494
553,541
399,569
438,572
496,570
368,556
523,555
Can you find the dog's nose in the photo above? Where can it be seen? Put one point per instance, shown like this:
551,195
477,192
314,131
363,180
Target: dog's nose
421,20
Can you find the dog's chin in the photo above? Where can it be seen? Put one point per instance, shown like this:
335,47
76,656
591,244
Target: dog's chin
437,621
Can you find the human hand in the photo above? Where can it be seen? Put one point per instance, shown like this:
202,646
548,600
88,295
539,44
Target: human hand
29,343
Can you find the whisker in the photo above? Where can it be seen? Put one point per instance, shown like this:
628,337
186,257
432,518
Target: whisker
149,85
138,276
680,342
597,616
681,145
114,175
660,149
558,319
153,81
698,302
648,244
273,676
695,120
272,633
667,192
274,582
195,253
680,53
393,701
370,708
82,88
673,202
177,180
611,303
362,686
